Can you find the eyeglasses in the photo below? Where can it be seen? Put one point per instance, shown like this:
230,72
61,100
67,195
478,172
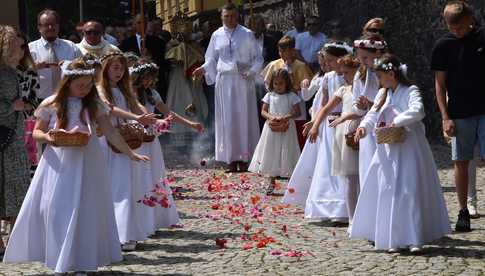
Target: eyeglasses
375,30
92,32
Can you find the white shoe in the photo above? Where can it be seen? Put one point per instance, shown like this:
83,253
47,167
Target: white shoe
472,209
415,249
393,250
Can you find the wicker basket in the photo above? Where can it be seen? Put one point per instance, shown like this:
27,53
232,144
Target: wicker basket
390,135
148,135
350,141
279,126
132,133
67,139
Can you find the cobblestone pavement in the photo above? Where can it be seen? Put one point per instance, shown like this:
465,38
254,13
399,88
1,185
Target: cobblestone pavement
226,217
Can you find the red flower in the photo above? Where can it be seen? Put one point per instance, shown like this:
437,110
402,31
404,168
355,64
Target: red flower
247,246
221,243
255,199
164,203
291,190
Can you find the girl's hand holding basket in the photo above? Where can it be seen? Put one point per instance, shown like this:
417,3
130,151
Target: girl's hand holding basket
359,134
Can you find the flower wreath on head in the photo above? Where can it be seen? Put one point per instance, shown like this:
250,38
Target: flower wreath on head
141,68
379,65
339,45
370,44
112,54
78,72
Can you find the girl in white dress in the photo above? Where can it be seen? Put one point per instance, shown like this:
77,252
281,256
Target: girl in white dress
326,197
365,88
143,75
277,152
299,183
128,178
343,159
401,204
67,219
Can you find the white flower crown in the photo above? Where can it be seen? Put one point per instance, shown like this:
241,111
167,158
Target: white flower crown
93,61
140,68
370,44
343,45
403,68
78,72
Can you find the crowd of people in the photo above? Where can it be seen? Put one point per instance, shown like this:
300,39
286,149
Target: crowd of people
361,158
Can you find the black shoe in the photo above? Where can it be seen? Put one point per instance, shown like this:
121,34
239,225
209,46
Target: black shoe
463,222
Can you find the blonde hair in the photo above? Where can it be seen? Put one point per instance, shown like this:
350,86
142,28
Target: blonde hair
124,84
8,34
378,21
89,102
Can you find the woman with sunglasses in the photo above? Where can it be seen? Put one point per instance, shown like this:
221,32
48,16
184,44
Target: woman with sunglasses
374,26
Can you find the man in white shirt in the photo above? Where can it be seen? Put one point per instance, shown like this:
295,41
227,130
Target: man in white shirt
309,43
93,41
50,51
232,61
299,23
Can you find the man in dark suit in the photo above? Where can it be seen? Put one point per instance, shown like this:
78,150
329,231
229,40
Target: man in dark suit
154,48
269,46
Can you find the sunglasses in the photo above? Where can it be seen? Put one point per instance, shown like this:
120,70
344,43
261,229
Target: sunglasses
374,30
93,32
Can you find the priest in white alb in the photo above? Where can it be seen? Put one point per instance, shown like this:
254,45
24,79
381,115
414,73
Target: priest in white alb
232,61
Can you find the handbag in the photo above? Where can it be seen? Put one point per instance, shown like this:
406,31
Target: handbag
7,134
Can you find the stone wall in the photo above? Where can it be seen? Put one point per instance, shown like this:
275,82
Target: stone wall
412,28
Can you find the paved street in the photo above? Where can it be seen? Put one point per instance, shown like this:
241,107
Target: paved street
229,228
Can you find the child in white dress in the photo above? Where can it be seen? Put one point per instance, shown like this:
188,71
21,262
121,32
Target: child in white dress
128,179
143,76
67,219
299,183
323,84
326,196
344,160
365,88
401,204
277,151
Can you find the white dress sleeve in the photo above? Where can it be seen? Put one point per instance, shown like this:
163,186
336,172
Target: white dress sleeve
294,99
370,120
415,111
211,58
266,98
44,113
316,84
